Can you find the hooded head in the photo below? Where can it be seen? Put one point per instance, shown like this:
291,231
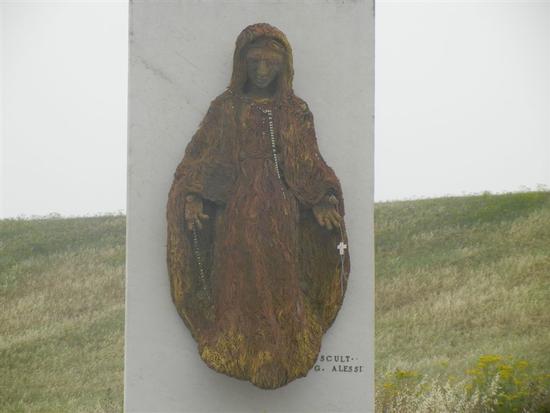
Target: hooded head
267,36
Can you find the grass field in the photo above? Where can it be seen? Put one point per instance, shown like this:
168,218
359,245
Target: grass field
460,278
62,315
457,279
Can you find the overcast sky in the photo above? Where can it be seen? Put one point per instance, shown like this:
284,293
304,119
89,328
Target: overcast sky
462,102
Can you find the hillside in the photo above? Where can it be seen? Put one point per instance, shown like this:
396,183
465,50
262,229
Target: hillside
456,278
460,277
62,318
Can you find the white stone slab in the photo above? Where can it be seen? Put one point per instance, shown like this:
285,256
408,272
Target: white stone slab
180,59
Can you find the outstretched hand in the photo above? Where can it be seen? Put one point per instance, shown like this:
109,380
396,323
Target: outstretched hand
326,214
193,212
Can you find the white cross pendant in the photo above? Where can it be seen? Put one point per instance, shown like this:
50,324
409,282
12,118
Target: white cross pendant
341,247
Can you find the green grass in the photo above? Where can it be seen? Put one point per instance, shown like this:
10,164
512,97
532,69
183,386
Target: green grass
62,318
456,278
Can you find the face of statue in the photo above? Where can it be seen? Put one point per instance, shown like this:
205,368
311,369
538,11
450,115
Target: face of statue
263,66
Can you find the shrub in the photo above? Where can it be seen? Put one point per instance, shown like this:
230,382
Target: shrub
496,384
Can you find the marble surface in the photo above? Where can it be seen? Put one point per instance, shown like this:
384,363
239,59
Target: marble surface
180,59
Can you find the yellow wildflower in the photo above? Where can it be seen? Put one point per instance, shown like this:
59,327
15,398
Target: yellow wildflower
405,374
522,364
505,371
490,359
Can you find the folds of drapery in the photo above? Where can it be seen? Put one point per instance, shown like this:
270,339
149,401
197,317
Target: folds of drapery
210,167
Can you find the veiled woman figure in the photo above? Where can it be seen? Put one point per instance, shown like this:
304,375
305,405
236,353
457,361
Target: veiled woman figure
255,217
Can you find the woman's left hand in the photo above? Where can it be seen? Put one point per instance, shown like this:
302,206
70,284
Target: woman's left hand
326,214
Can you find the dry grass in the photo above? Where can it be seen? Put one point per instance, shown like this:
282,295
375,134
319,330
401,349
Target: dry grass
62,318
456,278
461,277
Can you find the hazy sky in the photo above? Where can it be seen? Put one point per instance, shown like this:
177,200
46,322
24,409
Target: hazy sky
64,79
462,97
462,101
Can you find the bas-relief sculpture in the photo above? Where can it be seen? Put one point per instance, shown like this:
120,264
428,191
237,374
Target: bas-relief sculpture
257,247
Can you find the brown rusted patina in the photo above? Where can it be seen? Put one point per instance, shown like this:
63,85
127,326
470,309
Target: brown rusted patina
255,216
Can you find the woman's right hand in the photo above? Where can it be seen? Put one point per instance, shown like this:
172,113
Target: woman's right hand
193,212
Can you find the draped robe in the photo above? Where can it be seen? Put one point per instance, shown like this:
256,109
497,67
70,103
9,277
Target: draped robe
262,281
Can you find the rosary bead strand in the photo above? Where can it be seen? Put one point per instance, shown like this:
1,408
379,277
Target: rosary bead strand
196,250
269,114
